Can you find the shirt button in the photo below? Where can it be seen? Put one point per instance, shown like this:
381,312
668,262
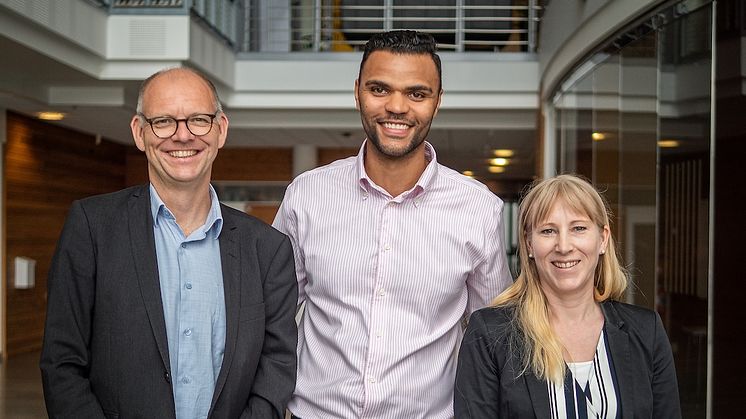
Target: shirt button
372,379
186,380
381,292
188,285
183,245
365,196
188,332
387,247
379,334
167,376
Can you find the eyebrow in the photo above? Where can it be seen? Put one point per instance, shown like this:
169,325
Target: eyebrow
415,88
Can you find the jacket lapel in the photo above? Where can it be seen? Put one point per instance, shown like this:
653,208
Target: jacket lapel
142,243
539,394
231,265
620,356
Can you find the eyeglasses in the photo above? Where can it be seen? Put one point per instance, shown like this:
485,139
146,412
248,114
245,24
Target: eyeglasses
166,126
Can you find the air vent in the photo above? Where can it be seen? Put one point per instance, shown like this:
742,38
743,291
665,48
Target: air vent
147,37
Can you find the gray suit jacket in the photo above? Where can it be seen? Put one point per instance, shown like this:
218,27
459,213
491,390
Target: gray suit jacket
489,383
105,351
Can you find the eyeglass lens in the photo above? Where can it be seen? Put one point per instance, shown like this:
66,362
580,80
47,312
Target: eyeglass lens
166,127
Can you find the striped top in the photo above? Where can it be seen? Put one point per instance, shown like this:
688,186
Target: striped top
387,284
587,392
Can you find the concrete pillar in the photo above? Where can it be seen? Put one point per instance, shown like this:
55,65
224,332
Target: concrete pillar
305,157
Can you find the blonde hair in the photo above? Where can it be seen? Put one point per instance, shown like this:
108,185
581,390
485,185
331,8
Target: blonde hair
542,349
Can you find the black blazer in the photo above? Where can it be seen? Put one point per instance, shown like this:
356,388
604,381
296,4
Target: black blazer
105,352
487,387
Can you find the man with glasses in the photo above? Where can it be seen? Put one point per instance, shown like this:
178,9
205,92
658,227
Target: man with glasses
163,303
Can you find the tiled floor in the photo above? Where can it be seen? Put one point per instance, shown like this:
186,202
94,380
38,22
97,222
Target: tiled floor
21,395
20,388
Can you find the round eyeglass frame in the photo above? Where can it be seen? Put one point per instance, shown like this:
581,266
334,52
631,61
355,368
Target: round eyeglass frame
176,126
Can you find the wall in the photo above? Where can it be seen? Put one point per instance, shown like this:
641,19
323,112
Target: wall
39,188
570,29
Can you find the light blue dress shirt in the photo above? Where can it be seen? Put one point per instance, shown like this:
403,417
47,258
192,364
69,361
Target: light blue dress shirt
191,279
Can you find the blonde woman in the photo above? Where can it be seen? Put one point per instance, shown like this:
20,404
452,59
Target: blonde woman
558,343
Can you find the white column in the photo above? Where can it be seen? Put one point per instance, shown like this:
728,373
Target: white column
305,157
549,158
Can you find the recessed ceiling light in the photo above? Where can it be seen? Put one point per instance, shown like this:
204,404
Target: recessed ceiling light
598,136
468,173
496,169
499,161
503,152
668,143
51,116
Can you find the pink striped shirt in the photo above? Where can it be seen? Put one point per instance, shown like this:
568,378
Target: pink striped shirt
387,283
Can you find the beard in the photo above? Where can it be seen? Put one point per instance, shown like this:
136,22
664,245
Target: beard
394,149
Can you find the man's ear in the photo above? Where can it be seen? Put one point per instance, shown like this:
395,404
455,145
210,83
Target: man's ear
137,132
222,120
437,106
357,98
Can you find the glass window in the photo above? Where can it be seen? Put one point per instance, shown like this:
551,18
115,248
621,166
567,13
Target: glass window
635,119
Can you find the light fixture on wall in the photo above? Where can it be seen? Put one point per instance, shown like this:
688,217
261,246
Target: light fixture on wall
468,173
598,136
668,143
50,116
496,169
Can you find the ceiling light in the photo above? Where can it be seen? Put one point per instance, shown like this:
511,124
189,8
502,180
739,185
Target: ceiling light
499,161
598,136
668,143
50,116
468,173
503,152
496,169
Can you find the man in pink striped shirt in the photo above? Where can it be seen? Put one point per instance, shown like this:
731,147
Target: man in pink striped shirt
393,251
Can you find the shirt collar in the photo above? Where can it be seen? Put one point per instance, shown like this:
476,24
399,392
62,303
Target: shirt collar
423,183
214,218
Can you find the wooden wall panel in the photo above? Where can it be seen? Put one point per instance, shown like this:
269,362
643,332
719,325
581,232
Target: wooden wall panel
328,155
231,164
46,168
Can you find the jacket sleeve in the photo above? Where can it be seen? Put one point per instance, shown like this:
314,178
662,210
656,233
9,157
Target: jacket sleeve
666,402
275,377
477,389
65,357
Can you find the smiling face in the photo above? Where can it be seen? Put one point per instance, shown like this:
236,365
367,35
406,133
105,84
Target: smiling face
398,96
182,160
566,247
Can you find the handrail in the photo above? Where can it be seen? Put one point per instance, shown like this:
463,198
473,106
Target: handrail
345,25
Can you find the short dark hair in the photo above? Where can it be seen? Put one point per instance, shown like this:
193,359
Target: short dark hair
403,42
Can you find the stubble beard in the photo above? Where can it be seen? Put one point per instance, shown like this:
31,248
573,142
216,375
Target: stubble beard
370,126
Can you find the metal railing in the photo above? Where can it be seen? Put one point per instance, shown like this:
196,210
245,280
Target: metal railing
345,25
145,3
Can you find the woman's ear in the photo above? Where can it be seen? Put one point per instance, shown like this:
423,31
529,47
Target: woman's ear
605,233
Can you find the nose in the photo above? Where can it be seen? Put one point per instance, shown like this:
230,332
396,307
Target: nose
182,131
564,242
397,103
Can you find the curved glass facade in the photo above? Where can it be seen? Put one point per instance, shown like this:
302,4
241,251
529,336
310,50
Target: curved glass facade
635,118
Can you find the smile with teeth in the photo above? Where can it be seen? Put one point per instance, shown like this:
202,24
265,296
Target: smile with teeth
565,265
392,125
182,153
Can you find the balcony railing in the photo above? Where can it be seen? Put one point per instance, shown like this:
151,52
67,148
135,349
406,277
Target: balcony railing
345,25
